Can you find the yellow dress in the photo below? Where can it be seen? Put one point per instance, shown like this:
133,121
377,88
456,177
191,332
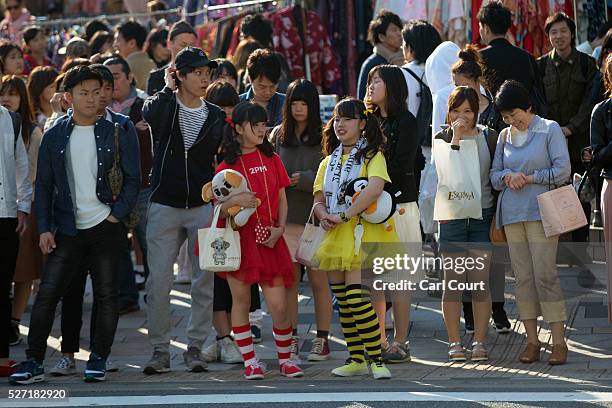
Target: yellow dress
337,251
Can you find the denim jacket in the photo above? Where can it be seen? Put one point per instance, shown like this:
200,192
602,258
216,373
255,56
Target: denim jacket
55,179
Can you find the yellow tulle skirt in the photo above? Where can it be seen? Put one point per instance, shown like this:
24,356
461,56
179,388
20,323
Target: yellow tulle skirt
337,251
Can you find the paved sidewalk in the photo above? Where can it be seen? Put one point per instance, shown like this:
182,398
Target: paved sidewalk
590,341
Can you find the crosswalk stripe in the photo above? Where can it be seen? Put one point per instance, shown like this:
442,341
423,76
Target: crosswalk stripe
315,397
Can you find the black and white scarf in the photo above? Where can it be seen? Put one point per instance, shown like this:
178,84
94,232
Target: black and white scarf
338,176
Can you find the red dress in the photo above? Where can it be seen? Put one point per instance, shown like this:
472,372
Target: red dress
260,264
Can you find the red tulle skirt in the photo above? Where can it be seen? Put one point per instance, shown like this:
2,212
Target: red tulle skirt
260,264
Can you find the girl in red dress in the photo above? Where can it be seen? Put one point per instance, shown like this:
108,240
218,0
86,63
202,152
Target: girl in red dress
265,256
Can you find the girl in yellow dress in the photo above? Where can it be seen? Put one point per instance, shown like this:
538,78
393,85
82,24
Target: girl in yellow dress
352,141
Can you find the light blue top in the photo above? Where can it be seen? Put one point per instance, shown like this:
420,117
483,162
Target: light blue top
543,155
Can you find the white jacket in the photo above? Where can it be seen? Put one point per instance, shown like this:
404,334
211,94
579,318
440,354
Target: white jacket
15,184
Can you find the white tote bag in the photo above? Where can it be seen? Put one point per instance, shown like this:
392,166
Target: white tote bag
309,242
219,247
459,188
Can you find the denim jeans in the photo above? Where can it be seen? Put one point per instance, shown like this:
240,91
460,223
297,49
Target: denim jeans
477,232
97,249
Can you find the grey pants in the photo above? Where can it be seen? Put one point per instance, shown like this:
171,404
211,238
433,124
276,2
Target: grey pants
167,229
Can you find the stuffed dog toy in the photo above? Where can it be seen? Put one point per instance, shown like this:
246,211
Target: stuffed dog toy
380,210
224,185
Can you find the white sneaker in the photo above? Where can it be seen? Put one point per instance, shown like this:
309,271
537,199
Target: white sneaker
230,353
112,366
212,353
66,366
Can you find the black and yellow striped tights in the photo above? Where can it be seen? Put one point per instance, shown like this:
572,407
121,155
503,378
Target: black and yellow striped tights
359,321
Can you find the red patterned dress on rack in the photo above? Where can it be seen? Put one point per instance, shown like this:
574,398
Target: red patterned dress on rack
260,264
324,68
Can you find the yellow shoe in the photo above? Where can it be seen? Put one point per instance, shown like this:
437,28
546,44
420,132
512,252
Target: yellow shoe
351,368
379,370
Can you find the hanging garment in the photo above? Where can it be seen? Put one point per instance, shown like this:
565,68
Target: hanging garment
324,69
406,9
596,15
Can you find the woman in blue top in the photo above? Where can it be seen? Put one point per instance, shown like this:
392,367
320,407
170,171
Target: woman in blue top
531,158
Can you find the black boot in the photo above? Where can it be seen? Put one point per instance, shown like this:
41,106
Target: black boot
502,324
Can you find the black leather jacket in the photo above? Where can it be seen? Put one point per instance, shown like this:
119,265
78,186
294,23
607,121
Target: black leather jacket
601,137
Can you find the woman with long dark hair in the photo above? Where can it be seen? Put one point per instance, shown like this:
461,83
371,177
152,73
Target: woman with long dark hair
387,92
41,88
601,145
298,142
14,97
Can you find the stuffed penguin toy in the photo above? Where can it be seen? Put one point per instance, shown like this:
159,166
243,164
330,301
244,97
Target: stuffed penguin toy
380,211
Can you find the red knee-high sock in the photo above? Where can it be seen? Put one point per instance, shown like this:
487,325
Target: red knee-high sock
244,340
282,338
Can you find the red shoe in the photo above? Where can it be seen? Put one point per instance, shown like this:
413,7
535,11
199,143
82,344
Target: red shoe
254,371
290,369
9,369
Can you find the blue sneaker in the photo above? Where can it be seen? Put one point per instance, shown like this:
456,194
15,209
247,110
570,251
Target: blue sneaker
28,372
95,369
256,332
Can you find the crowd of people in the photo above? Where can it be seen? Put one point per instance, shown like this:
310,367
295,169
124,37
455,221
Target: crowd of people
119,140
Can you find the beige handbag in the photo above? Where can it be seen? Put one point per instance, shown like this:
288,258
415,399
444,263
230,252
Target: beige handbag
219,248
561,210
310,241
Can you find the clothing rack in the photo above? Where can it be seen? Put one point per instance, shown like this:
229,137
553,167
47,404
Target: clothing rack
42,21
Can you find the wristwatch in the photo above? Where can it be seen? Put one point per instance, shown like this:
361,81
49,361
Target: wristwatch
343,217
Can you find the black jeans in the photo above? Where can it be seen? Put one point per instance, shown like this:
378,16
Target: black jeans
98,249
72,301
9,242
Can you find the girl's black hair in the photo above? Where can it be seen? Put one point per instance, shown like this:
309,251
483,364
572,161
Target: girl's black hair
245,112
225,66
396,89
305,91
355,109
222,94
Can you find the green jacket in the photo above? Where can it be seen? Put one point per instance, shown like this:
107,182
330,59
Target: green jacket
567,86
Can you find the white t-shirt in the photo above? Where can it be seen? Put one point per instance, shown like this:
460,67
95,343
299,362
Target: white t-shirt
519,138
90,211
191,121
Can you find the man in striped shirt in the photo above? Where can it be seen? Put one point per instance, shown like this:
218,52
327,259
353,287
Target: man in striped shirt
186,132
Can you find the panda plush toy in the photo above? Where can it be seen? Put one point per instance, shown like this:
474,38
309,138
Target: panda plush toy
381,210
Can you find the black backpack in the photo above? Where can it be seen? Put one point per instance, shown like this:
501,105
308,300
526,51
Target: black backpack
425,112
